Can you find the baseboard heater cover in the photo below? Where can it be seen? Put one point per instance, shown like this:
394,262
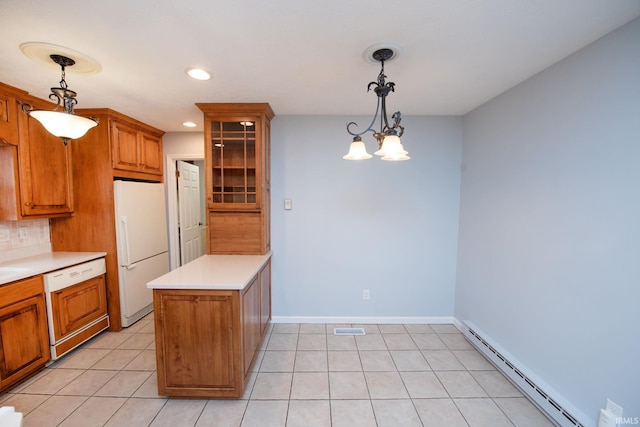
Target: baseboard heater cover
348,331
509,367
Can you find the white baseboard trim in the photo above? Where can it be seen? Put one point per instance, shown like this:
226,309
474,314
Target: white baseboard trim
355,320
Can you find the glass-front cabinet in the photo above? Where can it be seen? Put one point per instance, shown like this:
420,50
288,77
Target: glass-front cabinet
233,162
237,139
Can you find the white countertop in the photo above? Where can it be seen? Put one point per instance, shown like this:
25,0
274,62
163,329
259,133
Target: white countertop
213,272
43,263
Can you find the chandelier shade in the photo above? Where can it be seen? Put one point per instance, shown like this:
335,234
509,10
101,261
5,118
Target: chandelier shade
388,137
62,124
357,150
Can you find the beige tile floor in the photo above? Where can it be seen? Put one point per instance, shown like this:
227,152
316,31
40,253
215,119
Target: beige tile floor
395,375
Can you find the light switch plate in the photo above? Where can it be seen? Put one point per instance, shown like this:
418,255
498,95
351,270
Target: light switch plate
288,204
5,234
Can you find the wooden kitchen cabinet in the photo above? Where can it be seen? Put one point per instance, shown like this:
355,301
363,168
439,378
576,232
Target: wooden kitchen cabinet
35,166
9,113
24,340
207,339
76,306
265,296
92,228
136,150
237,171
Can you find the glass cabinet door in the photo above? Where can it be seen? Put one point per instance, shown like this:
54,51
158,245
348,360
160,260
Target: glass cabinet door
233,146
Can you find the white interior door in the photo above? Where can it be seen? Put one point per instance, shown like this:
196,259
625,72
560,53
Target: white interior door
189,212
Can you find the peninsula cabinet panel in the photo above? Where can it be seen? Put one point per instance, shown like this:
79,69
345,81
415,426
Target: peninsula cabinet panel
198,343
24,339
250,322
239,233
264,278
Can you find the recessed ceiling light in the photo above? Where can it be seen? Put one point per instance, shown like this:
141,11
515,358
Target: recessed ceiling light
198,73
189,124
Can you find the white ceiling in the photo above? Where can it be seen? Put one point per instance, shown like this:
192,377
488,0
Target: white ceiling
301,56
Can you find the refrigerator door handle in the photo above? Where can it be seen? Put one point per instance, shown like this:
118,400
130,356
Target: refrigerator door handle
131,266
125,230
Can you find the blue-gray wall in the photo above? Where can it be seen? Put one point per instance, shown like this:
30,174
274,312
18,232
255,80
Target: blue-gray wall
549,248
390,227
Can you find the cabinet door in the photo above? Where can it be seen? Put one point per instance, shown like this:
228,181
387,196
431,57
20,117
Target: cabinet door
8,119
125,151
198,343
250,322
24,342
233,163
45,170
151,153
265,297
78,305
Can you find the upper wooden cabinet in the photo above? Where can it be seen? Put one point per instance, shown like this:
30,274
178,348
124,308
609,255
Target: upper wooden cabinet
237,151
9,113
135,149
35,166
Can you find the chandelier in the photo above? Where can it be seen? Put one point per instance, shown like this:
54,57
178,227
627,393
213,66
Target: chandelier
63,124
388,137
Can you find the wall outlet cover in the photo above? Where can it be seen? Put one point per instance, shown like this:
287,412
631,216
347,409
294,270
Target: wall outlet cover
613,408
607,419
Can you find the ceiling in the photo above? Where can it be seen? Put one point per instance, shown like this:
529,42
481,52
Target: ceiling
301,56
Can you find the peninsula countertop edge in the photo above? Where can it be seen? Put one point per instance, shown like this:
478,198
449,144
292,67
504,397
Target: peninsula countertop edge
213,272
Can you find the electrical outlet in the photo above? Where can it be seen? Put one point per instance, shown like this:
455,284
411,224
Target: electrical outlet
5,234
23,232
365,294
614,408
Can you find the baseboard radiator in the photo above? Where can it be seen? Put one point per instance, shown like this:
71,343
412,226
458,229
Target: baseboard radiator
533,391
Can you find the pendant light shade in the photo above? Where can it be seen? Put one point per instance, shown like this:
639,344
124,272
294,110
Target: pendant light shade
357,150
63,124
392,149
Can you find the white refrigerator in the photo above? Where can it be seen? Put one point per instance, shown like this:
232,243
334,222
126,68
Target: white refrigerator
141,229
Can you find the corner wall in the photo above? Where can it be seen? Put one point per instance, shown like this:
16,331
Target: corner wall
549,248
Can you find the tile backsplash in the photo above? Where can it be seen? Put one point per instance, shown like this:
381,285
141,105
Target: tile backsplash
24,238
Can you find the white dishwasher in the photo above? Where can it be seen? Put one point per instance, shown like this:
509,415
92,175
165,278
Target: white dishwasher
76,305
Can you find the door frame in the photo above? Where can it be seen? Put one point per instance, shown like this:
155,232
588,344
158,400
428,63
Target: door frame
171,189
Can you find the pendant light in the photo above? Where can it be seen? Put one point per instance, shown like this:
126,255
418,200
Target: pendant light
63,124
388,137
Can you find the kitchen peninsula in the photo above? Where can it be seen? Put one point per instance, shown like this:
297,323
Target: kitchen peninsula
210,318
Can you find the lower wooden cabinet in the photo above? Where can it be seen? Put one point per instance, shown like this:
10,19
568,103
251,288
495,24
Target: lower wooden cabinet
77,306
24,341
207,340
